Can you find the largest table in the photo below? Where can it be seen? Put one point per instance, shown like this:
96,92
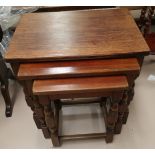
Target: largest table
74,35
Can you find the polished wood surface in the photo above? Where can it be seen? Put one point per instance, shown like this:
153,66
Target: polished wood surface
76,35
65,69
114,87
73,85
97,34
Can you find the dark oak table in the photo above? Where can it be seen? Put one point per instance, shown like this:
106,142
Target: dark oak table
105,34
76,35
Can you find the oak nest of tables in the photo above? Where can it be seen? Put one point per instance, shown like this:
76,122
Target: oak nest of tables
89,53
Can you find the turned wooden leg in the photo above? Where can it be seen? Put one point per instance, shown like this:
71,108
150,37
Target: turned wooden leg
41,118
130,98
50,119
38,114
121,109
27,88
58,107
29,101
111,120
7,99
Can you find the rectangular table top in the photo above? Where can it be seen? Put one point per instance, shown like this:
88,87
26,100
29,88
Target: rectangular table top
76,35
81,85
80,68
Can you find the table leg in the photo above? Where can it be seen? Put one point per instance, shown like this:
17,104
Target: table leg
130,98
41,118
50,119
30,101
58,107
122,108
112,117
38,112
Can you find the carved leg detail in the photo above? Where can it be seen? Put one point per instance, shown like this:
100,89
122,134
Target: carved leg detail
30,103
50,120
111,120
8,103
40,115
130,98
122,108
27,87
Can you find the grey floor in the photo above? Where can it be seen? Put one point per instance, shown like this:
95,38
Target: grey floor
19,131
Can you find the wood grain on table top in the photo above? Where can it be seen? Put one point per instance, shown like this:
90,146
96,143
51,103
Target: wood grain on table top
63,69
76,35
75,85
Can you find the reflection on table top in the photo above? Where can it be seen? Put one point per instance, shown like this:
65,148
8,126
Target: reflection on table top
76,35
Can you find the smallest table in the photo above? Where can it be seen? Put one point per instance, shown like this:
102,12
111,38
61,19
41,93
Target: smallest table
55,89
